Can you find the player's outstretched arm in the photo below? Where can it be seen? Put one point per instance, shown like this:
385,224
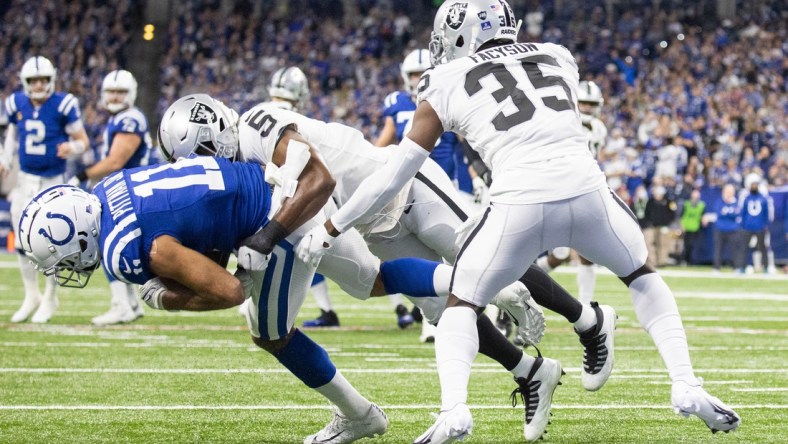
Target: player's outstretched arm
212,287
378,189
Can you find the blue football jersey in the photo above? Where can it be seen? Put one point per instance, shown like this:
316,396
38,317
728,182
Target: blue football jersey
130,121
400,107
205,203
41,130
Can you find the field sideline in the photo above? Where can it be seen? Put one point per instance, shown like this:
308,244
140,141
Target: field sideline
196,377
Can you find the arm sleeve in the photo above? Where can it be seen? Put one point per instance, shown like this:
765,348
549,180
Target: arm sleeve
10,145
379,188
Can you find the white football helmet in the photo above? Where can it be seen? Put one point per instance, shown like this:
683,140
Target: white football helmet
417,61
290,84
38,66
59,231
119,80
589,93
461,27
198,124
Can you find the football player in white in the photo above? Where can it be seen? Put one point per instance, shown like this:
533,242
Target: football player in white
289,89
44,129
515,103
127,144
589,103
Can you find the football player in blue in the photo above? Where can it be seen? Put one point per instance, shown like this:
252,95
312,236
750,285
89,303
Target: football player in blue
127,144
45,129
153,225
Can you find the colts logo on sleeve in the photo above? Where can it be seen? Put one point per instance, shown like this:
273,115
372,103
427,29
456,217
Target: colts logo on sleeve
202,113
456,15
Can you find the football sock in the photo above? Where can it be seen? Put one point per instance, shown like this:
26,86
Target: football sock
523,367
119,295
396,299
586,281
456,346
308,361
29,278
411,276
319,291
586,320
658,314
757,260
494,345
549,294
131,296
50,289
542,263
347,399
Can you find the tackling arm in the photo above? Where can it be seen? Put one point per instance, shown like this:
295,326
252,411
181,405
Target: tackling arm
378,189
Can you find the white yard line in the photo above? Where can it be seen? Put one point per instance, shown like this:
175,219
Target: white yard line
477,368
761,389
384,407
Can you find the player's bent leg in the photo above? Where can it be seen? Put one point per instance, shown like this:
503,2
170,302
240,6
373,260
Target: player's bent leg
120,311
32,295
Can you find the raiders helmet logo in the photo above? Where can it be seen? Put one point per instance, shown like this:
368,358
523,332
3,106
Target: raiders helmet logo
456,15
202,113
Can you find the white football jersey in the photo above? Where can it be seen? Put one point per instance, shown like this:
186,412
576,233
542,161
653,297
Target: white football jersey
350,158
516,104
597,134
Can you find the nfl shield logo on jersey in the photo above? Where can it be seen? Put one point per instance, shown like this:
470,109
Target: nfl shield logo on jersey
456,15
202,113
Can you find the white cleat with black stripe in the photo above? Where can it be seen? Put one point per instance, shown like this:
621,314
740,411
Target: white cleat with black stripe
536,392
688,399
598,344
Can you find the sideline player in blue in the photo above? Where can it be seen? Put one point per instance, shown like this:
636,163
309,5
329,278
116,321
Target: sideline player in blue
148,226
127,144
45,128
757,213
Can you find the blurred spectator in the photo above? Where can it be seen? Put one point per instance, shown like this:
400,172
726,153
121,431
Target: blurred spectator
757,212
691,214
660,213
727,229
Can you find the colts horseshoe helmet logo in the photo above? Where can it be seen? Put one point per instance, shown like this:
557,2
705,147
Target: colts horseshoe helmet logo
456,15
71,229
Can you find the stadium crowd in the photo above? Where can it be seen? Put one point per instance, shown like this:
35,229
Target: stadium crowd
691,101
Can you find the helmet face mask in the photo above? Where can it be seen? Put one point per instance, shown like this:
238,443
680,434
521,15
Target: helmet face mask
462,27
114,83
35,68
59,232
198,124
290,84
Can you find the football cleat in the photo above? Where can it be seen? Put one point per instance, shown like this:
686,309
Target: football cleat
417,315
536,392
428,332
115,315
343,430
515,300
450,425
404,318
45,310
598,344
693,400
326,319
28,307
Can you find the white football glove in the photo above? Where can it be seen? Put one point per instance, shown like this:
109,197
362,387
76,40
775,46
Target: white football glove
479,189
246,281
315,243
252,260
152,292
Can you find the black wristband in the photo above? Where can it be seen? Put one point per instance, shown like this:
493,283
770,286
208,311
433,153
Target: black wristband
264,240
82,176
